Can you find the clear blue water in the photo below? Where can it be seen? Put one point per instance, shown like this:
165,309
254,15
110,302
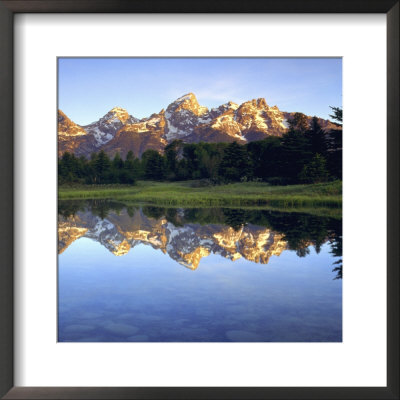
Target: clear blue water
152,294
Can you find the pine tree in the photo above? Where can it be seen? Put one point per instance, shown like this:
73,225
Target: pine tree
266,157
171,154
315,171
337,114
294,154
102,166
317,137
117,162
299,122
335,145
154,165
69,169
131,170
235,164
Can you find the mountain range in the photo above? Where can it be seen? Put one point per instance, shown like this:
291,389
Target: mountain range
184,119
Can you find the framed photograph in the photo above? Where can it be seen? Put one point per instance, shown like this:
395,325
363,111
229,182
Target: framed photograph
182,192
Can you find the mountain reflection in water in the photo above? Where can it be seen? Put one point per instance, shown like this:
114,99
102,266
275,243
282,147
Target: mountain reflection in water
188,235
249,276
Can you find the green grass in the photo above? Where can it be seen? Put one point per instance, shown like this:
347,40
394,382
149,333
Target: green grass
186,193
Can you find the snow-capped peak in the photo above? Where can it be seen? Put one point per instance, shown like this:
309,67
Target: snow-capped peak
107,126
188,96
118,110
120,113
187,103
231,105
183,115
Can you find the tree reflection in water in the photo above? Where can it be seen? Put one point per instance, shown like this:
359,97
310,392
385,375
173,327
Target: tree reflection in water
300,230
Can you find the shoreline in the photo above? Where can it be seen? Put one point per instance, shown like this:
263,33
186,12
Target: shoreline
188,193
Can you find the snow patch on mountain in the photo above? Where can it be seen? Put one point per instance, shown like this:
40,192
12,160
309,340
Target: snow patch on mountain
204,120
106,127
260,122
188,96
285,123
77,132
173,132
100,136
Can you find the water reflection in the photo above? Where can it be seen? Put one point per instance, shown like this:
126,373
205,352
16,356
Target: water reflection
250,276
188,235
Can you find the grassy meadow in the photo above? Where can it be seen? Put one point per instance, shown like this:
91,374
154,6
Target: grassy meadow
193,193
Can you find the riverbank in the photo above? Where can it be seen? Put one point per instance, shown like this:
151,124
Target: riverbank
192,193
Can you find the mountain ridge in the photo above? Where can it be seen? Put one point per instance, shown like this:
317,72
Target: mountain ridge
183,119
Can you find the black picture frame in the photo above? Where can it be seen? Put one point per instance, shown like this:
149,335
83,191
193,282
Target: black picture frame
7,11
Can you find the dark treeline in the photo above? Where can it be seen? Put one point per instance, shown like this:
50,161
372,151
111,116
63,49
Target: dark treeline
303,155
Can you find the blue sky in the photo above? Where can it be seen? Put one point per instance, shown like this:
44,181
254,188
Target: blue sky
89,87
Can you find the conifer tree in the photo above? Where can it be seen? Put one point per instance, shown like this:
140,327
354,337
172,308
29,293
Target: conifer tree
235,164
154,165
102,166
298,123
315,171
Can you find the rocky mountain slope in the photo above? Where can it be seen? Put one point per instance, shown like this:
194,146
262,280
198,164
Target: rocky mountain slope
183,119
